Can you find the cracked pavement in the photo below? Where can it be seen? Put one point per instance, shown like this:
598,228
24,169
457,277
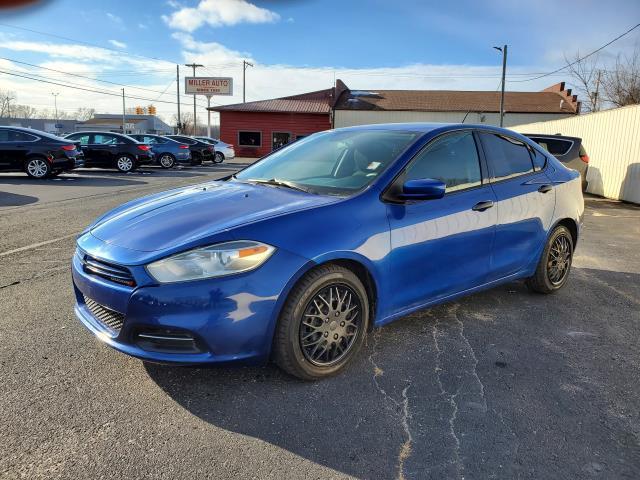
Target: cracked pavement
501,384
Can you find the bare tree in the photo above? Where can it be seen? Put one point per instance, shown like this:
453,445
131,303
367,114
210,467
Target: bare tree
622,85
24,111
6,97
586,78
83,113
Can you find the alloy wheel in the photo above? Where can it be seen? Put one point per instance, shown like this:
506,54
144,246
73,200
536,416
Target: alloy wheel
125,164
218,157
37,168
559,259
330,324
166,161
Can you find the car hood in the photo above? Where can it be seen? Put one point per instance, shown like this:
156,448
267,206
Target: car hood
184,216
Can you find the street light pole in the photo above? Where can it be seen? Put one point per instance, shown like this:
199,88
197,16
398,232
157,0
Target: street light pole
123,113
55,106
245,64
178,93
504,70
194,66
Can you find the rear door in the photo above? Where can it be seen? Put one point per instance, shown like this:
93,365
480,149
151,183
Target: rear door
85,146
442,247
16,146
526,202
105,148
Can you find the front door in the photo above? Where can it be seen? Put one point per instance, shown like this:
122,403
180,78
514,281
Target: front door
442,247
104,148
280,139
526,202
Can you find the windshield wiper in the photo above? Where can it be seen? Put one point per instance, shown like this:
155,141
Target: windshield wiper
280,183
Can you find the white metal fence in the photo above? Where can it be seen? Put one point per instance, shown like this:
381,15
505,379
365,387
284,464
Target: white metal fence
612,141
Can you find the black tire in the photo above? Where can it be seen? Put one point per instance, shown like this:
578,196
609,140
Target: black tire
291,332
37,167
218,157
546,279
166,160
125,164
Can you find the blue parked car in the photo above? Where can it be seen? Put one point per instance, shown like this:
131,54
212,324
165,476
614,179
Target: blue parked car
167,151
296,257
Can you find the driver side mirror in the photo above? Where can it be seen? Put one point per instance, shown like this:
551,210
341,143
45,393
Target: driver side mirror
422,189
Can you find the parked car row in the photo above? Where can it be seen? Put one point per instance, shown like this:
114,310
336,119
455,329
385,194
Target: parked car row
41,155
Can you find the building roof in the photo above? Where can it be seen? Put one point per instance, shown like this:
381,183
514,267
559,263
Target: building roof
318,102
555,99
458,101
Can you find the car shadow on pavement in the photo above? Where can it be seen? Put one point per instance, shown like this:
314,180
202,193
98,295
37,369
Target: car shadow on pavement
459,388
63,180
15,200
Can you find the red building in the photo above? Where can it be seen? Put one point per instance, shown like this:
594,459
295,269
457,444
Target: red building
257,128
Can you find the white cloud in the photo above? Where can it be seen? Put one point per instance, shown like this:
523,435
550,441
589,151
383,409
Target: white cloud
114,18
143,26
118,44
217,13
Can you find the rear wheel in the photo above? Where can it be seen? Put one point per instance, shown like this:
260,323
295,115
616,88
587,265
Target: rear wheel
37,167
218,157
555,263
167,160
124,163
323,323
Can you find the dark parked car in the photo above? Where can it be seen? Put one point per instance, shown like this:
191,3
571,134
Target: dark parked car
200,151
223,150
106,149
568,150
38,154
167,150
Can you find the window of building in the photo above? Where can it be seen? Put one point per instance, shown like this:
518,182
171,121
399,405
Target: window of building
452,159
507,156
249,139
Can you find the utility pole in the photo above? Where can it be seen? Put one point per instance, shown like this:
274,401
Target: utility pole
178,94
596,94
194,66
504,71
123,110
208,116
55,106
245,64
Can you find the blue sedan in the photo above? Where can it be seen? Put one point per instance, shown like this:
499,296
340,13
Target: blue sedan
296,257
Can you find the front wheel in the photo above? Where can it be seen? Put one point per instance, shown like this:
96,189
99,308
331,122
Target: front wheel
218,157
323,323
555,263
167,160
125,164
38,168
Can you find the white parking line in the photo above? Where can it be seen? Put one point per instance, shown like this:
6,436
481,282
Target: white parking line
36,245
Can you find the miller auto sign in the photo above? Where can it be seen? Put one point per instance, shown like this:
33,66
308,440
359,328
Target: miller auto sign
208,85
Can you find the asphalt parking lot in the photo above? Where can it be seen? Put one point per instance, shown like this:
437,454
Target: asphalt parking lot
502,384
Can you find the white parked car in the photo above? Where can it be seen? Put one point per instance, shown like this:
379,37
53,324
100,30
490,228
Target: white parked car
223,150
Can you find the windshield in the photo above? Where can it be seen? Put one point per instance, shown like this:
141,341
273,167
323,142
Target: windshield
333,162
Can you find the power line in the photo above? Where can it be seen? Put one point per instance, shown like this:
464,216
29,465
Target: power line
102,92
582,58
87,77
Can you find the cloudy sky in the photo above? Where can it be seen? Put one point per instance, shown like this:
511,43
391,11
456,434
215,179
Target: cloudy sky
295,45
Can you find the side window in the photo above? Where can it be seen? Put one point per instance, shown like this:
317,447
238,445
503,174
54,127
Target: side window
507,156
83,139
102,139
150,140
15,136
452,159
539,160
554,146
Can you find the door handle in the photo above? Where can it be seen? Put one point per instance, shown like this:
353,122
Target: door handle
545,188
482,206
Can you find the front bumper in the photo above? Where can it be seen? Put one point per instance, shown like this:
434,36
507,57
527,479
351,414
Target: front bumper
230,319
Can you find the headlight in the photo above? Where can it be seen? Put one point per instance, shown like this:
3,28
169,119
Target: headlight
213,261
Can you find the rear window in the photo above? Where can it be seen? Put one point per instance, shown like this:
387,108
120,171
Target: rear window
507,156
554,146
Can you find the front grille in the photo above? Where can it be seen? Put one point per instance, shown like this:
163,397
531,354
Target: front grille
110,319
109,271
